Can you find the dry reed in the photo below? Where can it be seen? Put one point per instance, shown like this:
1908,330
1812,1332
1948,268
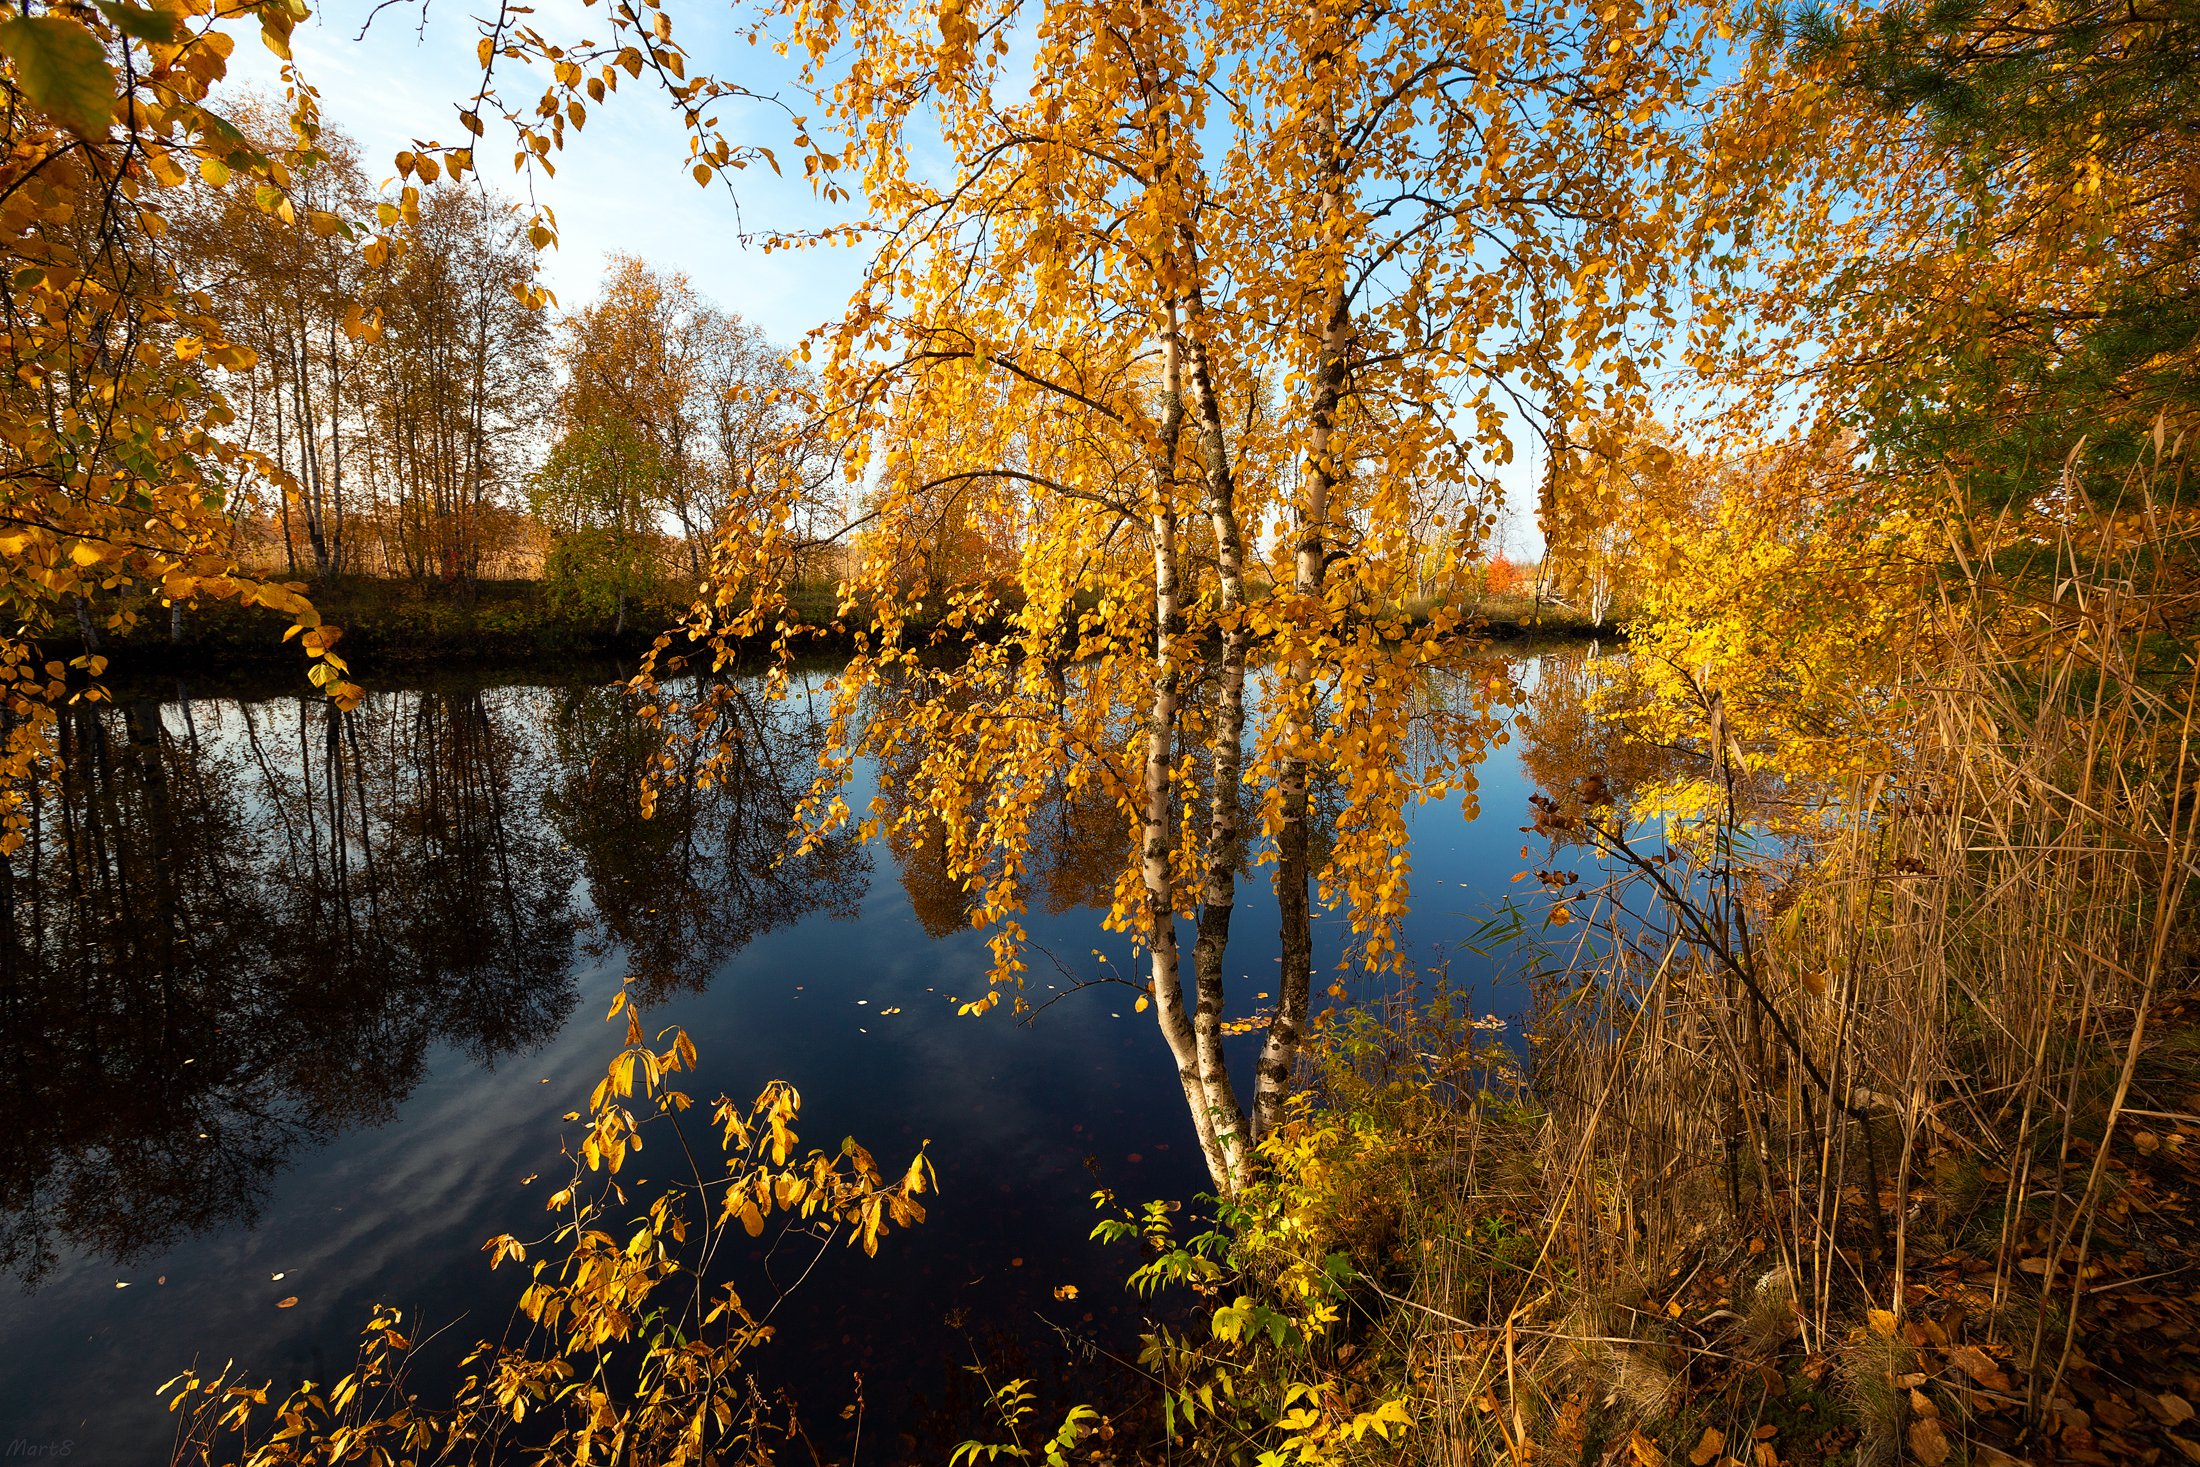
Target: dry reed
1865,1117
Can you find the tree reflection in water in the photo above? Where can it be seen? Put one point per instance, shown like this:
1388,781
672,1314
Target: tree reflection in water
1572,738
680,893
239,929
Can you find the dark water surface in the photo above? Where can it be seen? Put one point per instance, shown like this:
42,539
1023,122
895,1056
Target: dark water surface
290,994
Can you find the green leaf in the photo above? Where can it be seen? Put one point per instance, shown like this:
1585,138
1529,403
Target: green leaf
142,24
62,69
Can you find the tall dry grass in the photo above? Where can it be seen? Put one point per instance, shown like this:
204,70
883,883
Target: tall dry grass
1868,1111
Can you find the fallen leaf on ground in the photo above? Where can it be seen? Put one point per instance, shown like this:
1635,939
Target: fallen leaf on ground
1928,1443
1980,1366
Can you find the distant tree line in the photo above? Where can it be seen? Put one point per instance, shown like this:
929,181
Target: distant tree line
436,424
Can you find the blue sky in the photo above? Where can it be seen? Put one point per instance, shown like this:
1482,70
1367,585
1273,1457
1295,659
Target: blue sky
622,183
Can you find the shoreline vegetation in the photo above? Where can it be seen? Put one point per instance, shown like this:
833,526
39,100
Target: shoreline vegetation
1861,1124
392,625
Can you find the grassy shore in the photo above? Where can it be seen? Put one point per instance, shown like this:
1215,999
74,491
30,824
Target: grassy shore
392,624
389,623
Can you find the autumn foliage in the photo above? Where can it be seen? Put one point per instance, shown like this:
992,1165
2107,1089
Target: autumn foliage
1155,465
622,1346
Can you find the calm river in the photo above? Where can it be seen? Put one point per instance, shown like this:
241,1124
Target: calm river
291,1007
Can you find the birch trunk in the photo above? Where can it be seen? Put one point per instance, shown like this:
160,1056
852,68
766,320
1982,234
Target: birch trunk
1217,1144
1225,826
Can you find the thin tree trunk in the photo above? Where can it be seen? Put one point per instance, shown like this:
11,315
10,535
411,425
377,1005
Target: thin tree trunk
336,441
1225,828
309,465
282,454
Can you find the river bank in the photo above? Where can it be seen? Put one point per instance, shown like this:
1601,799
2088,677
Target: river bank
409,625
